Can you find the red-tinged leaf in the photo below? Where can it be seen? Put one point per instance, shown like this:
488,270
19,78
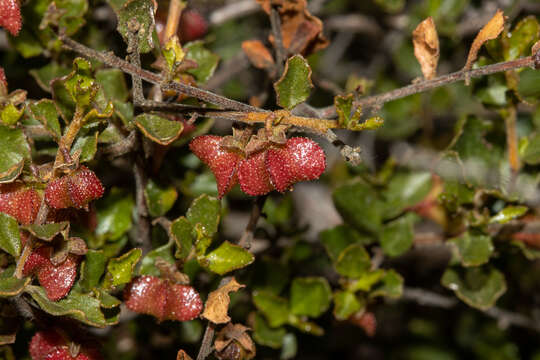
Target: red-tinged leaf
20,202
192,25
84,187
222,163
253,175
10,19
183,303
43,343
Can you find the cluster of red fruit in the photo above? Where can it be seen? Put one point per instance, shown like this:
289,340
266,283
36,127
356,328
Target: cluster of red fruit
274,166
10,19
51,345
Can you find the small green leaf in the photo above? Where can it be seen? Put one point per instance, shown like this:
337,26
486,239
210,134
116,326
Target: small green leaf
344,108
10,285
14,150
120,269
366,281
46,231
310,296
9,114
87,145
45,112
303,325
397,236
508,213
265,335
295,85
10,240
92,269
158,129
529,85
148,262
531,153
206,60
81,307
228,257
159,199
390,285
336,239
114,215
479,287
139,12
347,303
473,248
523,37
45,74
113,83
405,190
80,85
274,308
181,230
205,210
353,262
528,251
173,53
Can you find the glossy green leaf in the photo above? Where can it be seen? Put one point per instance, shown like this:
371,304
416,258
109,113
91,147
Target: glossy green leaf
10,240
347,303
81,307
181,230
120,269
92,268
139,13
45,74
473,248
114,214
359,205
205,210
295,85
508,213
87,145
479,287
336,239
10,285
396,237
45,112
353,261
46,231
405,190
390,285
523,36
531,153
148,266
265,335
274,308
159,199
206,60
310,296
227,257
14,150
158,129
113,83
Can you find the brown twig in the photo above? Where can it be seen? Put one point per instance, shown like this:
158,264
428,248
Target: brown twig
173,19
281,52
256,209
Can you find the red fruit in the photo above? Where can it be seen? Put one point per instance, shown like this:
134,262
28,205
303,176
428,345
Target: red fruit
300,159
50,345
56,280
20,202
253,175
162,299
221,162
192,25
74,190
3,77
10,16
366,321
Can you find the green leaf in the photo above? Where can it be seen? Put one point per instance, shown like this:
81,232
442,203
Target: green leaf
508,213
140,12
10,285
181,230
265,335
206,60
366,281
344,108
45,112
10,240
148,262
523,37
529,252
14,150
114,215
113,83
173,54
353,262
529,85
81,307
274,308
67,15
479,287
295,85
46,231
303,325
120,269
391,6
205,210
92,269
310,296
47,73
359,205
10,114
347,303
531,154
405,190
473,248
391,285
158,129
227,257
87,145
396,237
159,199
80,84
336,239
270,275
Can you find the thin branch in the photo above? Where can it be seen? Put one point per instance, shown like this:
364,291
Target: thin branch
173,19
233,11
281,53
256,209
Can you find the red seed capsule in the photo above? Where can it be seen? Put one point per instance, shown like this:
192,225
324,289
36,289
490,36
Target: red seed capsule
74,190
10,18
20,202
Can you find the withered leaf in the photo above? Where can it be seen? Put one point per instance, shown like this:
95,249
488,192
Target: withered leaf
235,333
426,47
217,305
490,31
258,54
182,355
301,31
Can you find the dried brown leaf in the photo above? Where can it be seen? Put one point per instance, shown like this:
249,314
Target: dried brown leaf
258,54
426,47
301,31
490,31
217,305
234,338
182,355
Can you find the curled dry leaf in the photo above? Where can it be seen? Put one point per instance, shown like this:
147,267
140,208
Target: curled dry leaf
426,47
490,31
233,342
217,305
258,54
301,31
